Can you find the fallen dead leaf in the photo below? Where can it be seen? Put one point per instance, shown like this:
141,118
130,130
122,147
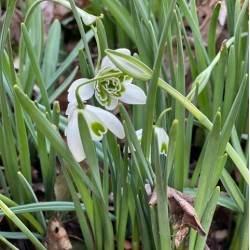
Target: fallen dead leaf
180,236
182,213
57,237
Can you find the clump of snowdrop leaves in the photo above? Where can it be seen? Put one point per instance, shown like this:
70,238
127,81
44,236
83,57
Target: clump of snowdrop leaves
99,122
109,86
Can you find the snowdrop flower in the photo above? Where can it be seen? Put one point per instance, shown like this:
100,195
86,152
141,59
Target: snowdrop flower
98,120
162,139
108,90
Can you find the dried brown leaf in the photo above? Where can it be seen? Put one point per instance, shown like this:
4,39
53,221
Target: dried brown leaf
57,237
153,198
180,236
181,210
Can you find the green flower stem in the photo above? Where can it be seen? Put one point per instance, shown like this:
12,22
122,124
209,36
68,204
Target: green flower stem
186,103
83,35
202,79
102,77
22,227
79,101
160,118
98,48
206,123
150,104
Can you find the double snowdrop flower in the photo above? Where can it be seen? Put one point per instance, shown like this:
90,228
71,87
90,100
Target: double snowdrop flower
109,86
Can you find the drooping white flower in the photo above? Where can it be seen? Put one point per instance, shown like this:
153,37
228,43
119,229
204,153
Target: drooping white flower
110,89
99,122
162,139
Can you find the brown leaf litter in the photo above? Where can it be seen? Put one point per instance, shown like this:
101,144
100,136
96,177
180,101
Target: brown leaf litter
182,212
57,237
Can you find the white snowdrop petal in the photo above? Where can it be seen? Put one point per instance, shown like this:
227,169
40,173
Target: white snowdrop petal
139,134
133,95
72,89
124,51
85,91
71,108
112,105
108,120
73,139
96,128
106,62
127,80
162,140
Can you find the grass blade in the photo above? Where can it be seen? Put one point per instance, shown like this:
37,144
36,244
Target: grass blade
51,53
36,68
207,218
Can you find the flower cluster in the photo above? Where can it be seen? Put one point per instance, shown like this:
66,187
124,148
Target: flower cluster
109,86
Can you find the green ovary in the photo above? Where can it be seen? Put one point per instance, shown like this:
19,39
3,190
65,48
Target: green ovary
97,128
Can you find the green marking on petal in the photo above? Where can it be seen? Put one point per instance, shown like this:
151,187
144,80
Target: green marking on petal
97,128
164,148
